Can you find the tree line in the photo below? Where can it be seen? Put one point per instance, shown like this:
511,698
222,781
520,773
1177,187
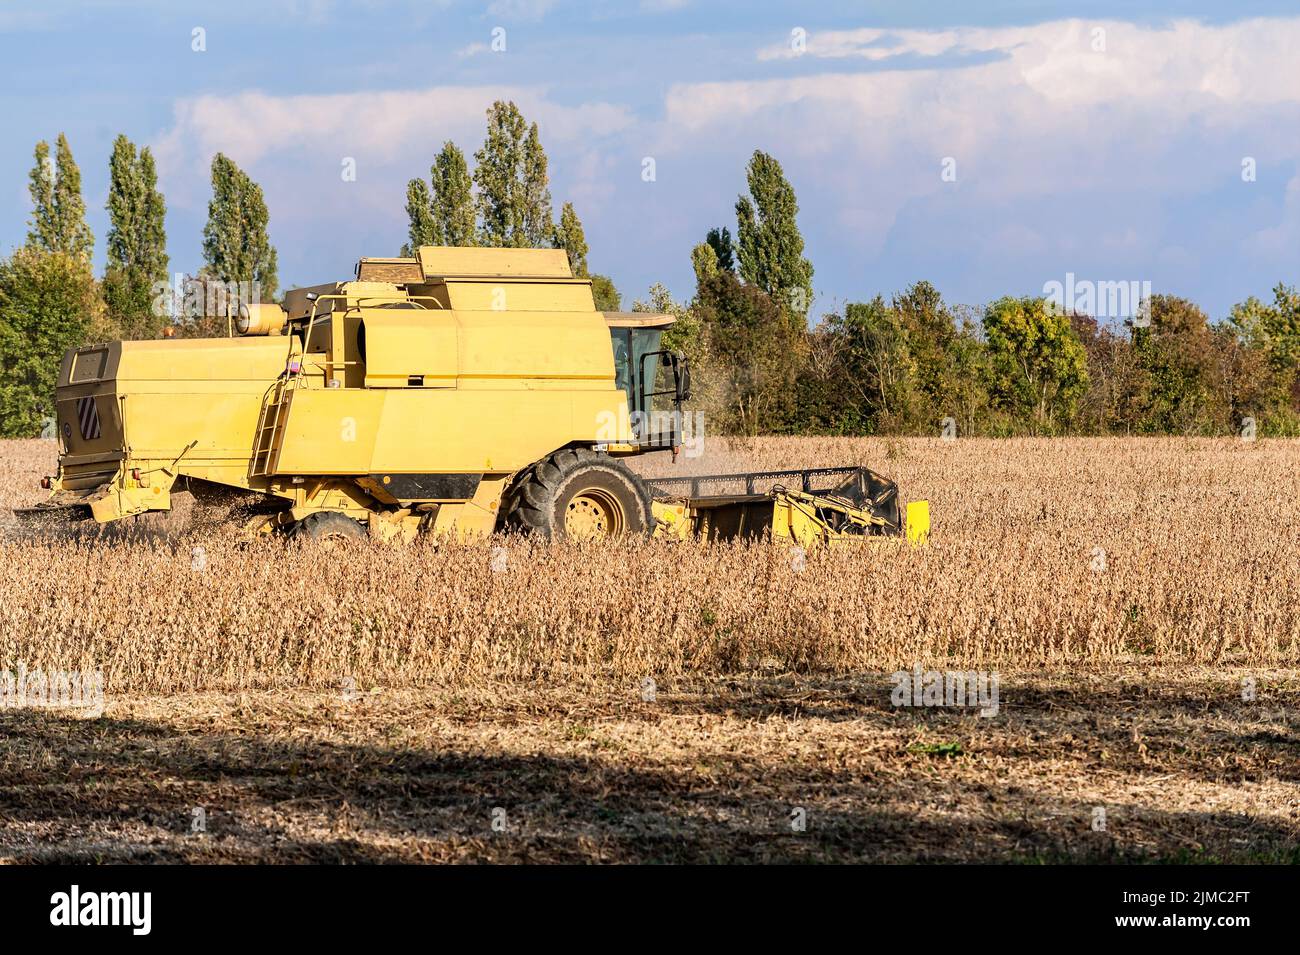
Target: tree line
907,364
915,364
51,300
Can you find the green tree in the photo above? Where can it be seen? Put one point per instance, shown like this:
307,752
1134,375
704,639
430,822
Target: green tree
423,229
757,354
870,377
1272,332
453,199
536,192
607,297
42,230
894,367
704,260
445,214
686,333
929,331
569,236
514,199
1273,328
967,398
136,243
720,241
880,358
1246,387
58,222
1037,365
1178,359
48,303
770,244
236,247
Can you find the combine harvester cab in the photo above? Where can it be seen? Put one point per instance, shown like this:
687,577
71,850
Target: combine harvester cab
461,391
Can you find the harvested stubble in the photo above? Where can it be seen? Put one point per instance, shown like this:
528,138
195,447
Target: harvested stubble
1044,552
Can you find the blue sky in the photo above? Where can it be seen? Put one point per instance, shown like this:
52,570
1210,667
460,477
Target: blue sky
1114,155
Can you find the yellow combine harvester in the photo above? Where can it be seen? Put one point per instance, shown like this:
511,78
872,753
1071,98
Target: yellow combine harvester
462,391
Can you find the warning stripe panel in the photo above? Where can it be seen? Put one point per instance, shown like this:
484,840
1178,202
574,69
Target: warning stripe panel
88,417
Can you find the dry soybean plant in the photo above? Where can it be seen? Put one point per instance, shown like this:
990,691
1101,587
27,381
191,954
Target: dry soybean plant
1044,552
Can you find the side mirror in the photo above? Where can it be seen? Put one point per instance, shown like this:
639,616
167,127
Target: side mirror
683,376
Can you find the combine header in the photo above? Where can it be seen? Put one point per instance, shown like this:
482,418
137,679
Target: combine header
815,506
461,392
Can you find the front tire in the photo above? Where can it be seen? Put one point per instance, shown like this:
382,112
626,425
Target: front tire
577,494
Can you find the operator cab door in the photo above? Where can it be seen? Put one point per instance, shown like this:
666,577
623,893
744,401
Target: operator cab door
655,381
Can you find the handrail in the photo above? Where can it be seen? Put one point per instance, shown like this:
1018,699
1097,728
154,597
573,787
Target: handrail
291,378
694,482
331,296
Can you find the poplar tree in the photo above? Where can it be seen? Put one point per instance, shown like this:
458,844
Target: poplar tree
720,241
453,199
770,245
136,241
419,212
58,222
536,192
514,199
569,237
236,247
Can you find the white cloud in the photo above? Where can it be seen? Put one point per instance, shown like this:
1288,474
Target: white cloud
294,147
390,128
1040,112
1062,152
521,9
1248,61
1283,239
873,44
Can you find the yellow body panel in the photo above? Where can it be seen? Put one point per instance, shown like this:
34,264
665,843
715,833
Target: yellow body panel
443,261
143,405
532,346
424,345
514,296
918,522
340,431
493,359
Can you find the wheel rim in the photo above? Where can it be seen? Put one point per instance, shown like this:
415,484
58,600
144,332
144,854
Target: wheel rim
593,513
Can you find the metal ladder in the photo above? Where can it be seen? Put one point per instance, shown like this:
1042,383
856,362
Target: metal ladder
269,425
275,404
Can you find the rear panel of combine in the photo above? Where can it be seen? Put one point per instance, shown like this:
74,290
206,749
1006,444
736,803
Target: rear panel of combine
134,416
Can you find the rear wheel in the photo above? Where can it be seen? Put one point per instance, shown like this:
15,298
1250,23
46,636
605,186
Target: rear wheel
326,526
580,495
